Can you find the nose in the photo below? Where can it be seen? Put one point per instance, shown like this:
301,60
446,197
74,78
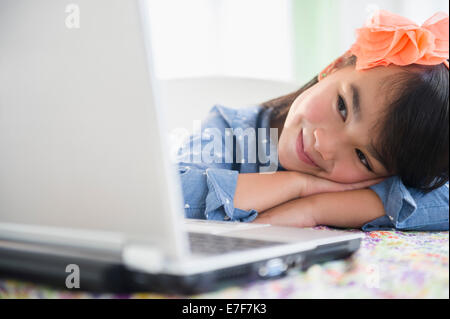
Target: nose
326,143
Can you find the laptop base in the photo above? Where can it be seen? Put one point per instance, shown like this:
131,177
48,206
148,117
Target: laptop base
110,277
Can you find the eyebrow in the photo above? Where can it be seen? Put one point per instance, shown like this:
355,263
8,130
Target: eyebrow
356,107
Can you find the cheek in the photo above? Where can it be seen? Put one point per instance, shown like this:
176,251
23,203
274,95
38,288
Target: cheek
346,172
316,108
312,107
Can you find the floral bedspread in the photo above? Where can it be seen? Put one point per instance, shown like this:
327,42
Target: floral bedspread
389,264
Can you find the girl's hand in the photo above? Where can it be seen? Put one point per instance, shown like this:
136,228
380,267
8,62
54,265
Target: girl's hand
314,185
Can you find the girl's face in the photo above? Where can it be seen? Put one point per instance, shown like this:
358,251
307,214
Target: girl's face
325,120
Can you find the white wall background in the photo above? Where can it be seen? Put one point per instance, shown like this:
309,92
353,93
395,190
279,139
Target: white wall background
255,38
248,38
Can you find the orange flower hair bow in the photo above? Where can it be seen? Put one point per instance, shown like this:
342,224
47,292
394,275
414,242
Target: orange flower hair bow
388,38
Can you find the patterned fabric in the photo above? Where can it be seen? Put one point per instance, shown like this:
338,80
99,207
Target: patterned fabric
389,264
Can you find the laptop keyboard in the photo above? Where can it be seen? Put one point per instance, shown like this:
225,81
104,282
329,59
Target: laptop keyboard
209,244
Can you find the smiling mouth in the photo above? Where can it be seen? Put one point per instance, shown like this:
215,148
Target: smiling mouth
301,151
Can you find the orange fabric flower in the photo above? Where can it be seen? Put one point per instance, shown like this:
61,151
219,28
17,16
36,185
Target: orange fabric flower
388,38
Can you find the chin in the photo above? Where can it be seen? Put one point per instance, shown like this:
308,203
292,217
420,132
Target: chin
281,161
286,161
285,156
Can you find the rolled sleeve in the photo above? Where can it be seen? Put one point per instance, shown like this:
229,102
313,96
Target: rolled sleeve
219,201
209,186
410,209
209,194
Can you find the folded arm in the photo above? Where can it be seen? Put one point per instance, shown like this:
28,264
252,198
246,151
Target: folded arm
349,209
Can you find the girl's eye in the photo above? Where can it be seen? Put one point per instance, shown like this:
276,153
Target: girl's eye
342,107
363,159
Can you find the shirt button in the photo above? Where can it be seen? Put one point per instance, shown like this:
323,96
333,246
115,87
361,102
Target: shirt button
186,206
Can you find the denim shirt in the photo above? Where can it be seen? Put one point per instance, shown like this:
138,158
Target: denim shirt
208,187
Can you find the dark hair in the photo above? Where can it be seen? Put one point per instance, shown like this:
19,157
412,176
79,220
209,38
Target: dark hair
413,131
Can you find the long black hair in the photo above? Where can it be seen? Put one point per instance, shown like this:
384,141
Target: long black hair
413,130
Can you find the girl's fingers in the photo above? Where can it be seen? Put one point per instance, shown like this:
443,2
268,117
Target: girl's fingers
315,185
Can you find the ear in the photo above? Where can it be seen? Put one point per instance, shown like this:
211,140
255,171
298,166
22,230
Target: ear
335,65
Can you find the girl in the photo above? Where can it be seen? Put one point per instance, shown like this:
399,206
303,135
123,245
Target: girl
363,144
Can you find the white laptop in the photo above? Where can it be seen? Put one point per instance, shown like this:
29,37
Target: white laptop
86,185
